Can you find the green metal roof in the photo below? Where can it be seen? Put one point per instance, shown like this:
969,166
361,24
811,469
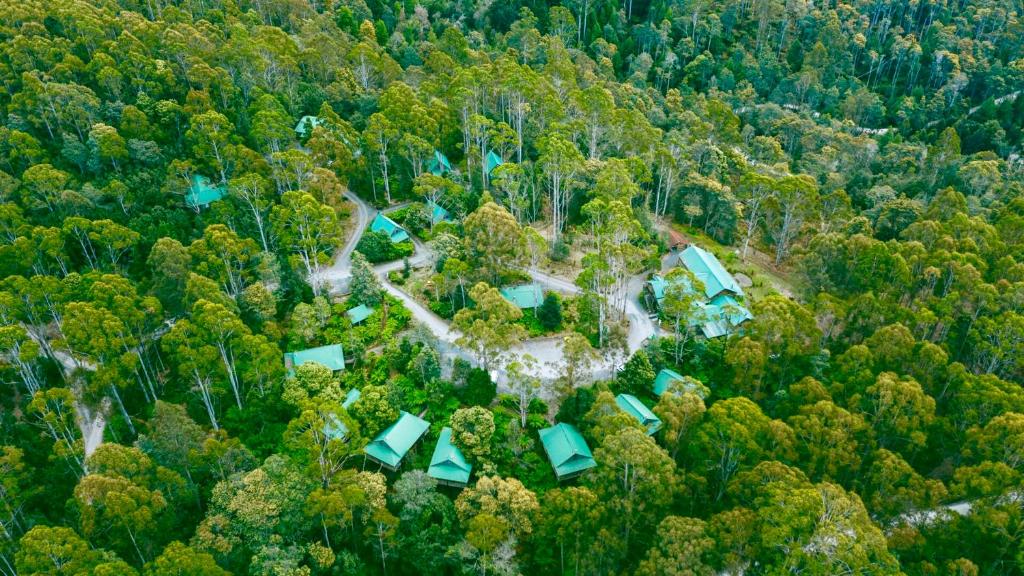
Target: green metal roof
439,164
660,284
359,313
722,315
493,161
634,407
567,450
202,192
350,398
335,429
306,125
666,377
330,356
382,223
448,464
437,213
706,267
391,445
524,296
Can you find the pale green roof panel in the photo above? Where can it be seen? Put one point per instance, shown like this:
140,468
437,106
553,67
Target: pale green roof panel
634,407
493,161
706,267
382,223
439,164
665,378
524,296
567,450
391,445
448,464
359,313
306,124
201,192
350,398
331,356
437,213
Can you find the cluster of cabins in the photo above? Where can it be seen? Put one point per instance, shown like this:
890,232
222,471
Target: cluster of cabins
720,306
565,447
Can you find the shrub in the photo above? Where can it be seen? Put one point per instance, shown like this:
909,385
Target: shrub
478,390
550,312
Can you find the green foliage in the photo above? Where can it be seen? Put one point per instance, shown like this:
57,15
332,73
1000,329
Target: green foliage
550,312
378,247
477,388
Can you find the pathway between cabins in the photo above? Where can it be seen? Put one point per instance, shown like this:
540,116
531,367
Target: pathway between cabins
547,352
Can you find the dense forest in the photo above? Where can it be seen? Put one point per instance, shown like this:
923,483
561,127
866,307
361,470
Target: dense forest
204,339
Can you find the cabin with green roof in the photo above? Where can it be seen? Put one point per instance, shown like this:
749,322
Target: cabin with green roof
439,164
634,407
493,161
706,267
448,466
722,315
307,124
525,296
331,356
666,377
359,314
390,446
202,192
657,286
394,232
437,213
335,429
567,451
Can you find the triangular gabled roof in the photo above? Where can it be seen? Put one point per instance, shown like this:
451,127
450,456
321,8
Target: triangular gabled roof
335,429
331,356
359,313
634,407
722,315
437,213
525,296
439,164
201,192
382,223
567,450
660,284
493,161
306,125
448,464
665,378
391,445
706,267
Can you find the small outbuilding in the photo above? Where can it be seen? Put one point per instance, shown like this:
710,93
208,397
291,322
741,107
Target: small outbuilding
666,377
307,124
394,232
331,356
201,192
524,296
567,451
335,429
390,446
359,314
439,164
634,407
437,213
448,466
493,161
